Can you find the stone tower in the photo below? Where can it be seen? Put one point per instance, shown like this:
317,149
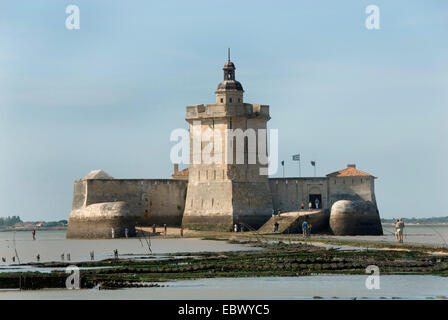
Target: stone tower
227,180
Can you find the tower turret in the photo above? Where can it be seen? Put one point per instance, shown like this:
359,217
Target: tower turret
225,183
229,90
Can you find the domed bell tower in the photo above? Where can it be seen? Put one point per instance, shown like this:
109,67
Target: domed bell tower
231,189
229,90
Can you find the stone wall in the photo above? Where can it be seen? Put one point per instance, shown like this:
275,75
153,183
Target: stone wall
209,205
289,193
351,188
228,189
215,202
97,221
149,201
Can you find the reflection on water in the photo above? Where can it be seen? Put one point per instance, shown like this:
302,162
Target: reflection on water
51,244
325,286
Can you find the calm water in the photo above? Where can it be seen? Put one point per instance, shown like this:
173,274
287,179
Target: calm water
436,235
51,244
325,286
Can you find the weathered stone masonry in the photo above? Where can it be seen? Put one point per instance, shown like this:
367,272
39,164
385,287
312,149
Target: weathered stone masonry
218,195
144,202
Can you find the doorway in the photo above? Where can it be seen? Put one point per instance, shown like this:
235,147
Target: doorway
316,204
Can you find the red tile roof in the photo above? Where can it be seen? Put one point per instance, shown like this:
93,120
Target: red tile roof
350,171
180,174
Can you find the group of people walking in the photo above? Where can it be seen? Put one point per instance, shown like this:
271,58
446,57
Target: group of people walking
310,205
238,227
306,227
112,232
154,231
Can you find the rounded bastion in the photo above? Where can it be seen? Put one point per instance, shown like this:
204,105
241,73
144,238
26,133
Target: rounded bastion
355,217
98,219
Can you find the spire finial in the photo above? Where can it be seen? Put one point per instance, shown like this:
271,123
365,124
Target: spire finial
228,54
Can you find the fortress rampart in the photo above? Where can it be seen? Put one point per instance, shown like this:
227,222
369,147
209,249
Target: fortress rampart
289,193
147,202
100,204
230,189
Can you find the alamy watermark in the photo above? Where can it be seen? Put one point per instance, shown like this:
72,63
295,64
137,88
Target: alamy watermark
373,20
237,147
73,280
373,280
72,22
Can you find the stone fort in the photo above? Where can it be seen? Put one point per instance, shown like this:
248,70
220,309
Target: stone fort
215,196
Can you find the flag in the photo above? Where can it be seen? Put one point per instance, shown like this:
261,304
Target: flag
283,162
313,163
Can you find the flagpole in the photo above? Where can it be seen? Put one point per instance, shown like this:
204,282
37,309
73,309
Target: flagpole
313,163
283,165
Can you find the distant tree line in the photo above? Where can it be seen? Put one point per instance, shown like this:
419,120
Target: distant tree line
420,220
9,221
55,223
13,220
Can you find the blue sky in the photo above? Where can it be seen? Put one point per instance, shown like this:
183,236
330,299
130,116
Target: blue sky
109,94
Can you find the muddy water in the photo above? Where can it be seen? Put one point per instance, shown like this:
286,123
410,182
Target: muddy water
324,286
51,244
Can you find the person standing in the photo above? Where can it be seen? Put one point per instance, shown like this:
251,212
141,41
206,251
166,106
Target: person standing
310,205
154,228
92,255
316,202
165,229
126,232
276,226
235,228
305,228
397,238
112,232
181,232
302,206
34,234
308,229
400,230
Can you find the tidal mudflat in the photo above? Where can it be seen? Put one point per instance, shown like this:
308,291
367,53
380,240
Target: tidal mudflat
50,245
277,259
